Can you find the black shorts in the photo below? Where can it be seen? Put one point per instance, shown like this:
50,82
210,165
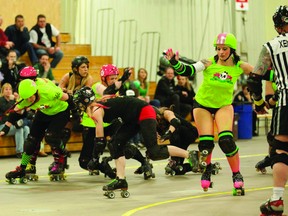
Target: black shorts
211,110
280,121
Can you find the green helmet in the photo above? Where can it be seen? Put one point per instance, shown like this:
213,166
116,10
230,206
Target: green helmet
227,39
27,88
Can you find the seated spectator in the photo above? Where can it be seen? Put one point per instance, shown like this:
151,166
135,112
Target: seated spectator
244,97
10,69
19,35
168,96
41,39
186,91
44,68
142,87
5,44
19,131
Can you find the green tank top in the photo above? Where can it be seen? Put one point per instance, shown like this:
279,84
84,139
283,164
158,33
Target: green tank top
49,99
142,92
218,83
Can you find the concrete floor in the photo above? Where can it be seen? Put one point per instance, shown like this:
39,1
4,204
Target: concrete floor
165,195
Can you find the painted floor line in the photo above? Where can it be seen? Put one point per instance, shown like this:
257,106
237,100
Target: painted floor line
133,211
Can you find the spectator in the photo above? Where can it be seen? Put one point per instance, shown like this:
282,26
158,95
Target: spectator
43,67
166,94
244,97
10,69
7,100
142,87
41,38
5,44
19,35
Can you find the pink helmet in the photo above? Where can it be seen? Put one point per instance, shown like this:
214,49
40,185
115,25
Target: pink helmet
28,73
108,70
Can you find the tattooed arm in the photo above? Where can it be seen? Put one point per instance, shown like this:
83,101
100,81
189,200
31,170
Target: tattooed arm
263,63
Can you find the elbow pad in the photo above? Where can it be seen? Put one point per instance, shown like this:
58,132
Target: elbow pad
176,123
254,83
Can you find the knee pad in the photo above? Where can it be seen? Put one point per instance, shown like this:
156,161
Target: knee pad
228,146
53,139
279,158
158,152
115,149
130,150
83,162
30,145
270,138
206,143
66,134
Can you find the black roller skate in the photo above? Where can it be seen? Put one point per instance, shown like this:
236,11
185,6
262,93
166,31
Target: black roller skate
202,160
105,168
31,172
116,184
261,165
206,178
17,174
93,167
146,168
238,183
172,168
272,208
57,172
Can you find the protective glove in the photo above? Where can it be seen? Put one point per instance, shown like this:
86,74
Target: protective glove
259,106
125,75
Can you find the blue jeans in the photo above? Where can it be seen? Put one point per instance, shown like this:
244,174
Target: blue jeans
20,135
27,47
57,56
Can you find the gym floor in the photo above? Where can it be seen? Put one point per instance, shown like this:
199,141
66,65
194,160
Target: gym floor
81,194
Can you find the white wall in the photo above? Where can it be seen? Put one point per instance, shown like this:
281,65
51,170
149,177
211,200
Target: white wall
135,32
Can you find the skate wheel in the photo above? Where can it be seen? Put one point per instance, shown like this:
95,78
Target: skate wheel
125,194
24,180
238,192
111,195
205,189
215,172
13,181
51,178
203,164
217,165
204,153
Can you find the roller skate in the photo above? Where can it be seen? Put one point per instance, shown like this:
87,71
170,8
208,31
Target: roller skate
202,160
272,208
238,182
16,175
93,167
194,161
261,165
116,184
172,168
31,172
146,168
206,178
105,168
57,172
215,168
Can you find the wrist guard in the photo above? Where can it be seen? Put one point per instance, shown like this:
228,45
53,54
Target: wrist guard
173,61
125,76
166,135
259,105
254,83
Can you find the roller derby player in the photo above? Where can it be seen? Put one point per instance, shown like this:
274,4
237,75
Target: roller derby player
213,102
271,98
180,133
52,108
137,116
274,54
109,85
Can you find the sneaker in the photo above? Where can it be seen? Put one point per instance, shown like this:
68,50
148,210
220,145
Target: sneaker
42,154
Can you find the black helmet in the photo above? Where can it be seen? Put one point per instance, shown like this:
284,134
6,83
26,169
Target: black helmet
77,61
280,17
83,97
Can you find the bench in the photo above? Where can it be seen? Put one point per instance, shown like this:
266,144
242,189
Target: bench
267,120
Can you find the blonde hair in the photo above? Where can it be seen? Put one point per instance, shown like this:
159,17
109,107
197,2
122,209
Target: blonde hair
187,84
72,80
145,80
5,86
